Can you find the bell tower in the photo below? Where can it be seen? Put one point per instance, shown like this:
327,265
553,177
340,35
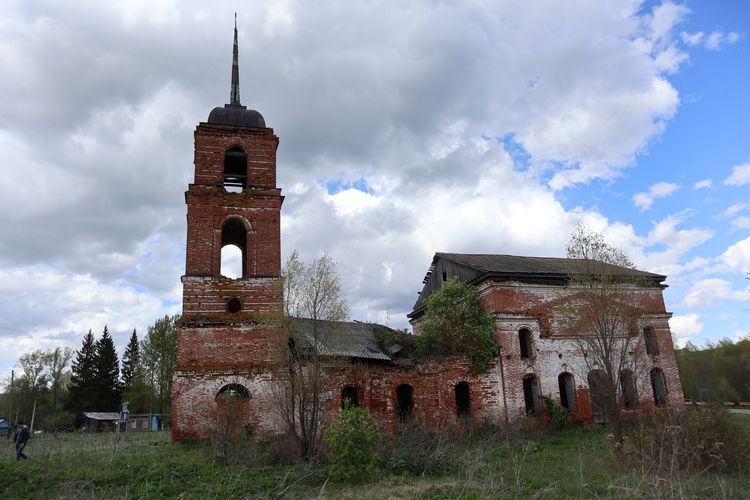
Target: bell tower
229,326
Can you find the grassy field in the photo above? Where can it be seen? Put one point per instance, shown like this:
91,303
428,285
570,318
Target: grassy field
575,463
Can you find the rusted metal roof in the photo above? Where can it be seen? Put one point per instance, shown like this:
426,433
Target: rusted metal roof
474,268
517,264
350,339
101,415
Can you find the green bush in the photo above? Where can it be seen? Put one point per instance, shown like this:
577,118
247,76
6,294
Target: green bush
351,445
558,416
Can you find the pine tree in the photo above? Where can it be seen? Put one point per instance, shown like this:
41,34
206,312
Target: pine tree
107,371
81,391
130,361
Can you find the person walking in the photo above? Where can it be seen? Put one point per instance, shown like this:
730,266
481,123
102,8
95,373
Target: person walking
22,437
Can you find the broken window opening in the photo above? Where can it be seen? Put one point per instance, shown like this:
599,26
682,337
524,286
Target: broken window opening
233,391
349,397
531,396
404,402
231,262
463,399
649,337
235,169
567,388
629,392
233,249
524,340
597,380
659,386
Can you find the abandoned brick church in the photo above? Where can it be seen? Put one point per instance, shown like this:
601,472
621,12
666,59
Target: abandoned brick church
229,335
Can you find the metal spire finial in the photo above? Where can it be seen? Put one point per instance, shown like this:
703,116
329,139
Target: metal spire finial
234,96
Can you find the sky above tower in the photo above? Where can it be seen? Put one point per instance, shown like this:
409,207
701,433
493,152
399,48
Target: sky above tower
405,128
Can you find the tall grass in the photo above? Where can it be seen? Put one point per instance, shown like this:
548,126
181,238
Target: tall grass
473,462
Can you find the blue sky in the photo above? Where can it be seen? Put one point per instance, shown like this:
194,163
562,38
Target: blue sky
406,128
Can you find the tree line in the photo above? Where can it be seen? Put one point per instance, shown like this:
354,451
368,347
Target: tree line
57,384
717,372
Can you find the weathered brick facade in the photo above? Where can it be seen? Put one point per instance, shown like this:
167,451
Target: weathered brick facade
231,338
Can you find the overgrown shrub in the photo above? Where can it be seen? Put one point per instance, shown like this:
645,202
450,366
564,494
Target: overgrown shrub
690,441
456,323
351,445
558,416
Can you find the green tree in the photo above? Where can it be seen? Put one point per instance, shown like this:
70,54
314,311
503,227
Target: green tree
456,323
57,360
106,373
82,388
130,361
159,357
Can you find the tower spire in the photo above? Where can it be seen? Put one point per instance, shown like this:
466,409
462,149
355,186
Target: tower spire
234,96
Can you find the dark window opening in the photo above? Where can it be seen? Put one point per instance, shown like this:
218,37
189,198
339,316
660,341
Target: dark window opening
524,340
445,276
597,380
233,233
233,391
234,305
349,397
463,399
659,387
531,396
649,337
235,169
404,402
629,393
567,391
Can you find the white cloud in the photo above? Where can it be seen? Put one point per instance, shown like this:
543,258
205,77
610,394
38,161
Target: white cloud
741,222
676,243
685,326
732,210
658,190
705,292
692,38
737,257
740,175
716,39
704,184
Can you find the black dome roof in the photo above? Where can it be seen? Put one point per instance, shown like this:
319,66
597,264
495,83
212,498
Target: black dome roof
238,115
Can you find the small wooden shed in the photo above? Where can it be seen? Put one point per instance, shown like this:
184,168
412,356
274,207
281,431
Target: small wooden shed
97,421
146,422
4,427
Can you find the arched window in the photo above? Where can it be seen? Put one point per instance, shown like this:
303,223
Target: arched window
232,392
463,399
567,391
524,341
232,410
649,338
597,380
629,393
404,402
349,396
531,396
235,169
231,261
659,386
233,249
